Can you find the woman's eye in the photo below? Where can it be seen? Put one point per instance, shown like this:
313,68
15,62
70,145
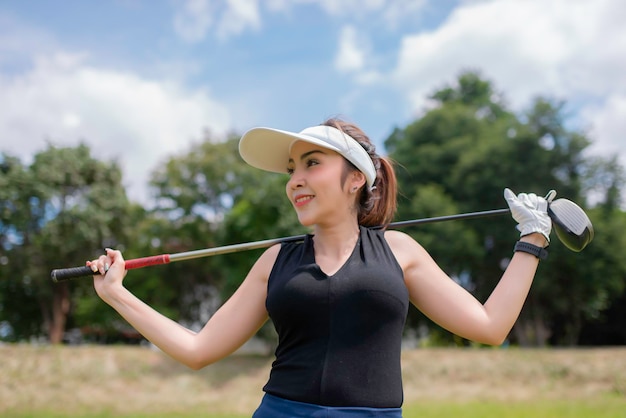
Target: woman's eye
307,163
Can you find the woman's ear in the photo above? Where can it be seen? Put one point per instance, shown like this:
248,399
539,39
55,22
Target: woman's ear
357,180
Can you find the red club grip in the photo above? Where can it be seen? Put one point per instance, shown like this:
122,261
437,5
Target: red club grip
154,260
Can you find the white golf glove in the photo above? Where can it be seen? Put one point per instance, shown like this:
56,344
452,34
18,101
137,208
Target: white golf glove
531,212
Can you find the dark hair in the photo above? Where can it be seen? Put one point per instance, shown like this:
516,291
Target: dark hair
376,207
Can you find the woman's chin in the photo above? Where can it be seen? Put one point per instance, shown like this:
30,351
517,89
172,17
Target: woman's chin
306,221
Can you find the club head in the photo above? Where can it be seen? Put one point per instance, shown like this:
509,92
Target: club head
571,224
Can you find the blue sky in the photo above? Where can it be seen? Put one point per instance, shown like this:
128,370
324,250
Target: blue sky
141,80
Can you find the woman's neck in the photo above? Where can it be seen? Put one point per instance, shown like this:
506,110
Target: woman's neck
336,240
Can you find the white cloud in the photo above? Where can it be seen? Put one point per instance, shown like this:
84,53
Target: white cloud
608,126
351,53
399,10
119,115
350,7
194,19
239,16
354,56
19,41
572,50
392,11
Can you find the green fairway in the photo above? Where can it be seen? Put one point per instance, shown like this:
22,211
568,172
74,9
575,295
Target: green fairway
596,408
122,381
609,407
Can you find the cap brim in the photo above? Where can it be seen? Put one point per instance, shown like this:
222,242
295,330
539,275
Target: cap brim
268,148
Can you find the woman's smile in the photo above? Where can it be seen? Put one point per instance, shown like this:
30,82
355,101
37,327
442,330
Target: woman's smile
301,200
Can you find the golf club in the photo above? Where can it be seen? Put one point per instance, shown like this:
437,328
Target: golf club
570,222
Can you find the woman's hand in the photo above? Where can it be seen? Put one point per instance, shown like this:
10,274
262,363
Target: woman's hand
109,272
531,212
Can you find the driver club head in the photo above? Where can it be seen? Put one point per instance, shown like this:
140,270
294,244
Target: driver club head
571,224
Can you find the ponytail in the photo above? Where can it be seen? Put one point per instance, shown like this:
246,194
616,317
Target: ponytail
376,207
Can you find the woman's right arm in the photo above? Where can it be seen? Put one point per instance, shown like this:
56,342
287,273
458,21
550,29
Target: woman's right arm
236,321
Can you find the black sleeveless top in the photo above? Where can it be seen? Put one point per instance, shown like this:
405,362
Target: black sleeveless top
339,336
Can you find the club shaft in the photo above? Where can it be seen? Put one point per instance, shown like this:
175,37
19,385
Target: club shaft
58,275
460,216
188,255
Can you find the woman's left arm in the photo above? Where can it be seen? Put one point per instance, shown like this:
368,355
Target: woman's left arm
448,304
451,306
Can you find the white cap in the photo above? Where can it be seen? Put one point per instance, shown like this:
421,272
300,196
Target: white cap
268,149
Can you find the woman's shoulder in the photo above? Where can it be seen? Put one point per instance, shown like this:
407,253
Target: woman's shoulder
394,237
404,247
265,263
270,255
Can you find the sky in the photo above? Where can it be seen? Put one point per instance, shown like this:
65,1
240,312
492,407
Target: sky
143,80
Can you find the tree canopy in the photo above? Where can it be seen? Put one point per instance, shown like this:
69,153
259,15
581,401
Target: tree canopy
461,155
56,211
65,206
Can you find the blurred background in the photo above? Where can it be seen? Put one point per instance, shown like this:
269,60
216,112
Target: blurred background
119,124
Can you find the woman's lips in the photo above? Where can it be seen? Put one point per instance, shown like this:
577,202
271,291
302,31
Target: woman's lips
302,200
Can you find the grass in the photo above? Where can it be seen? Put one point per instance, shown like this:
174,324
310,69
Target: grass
121,381
608,408
600,408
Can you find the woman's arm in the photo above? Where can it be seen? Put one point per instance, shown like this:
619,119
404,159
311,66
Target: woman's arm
448,304
230,327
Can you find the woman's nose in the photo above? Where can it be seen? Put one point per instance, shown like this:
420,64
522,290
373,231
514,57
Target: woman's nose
296,180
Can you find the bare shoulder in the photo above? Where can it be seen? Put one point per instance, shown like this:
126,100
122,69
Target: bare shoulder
406,250
264,264
400,241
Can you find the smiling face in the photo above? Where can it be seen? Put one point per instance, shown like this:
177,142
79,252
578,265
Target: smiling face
320,185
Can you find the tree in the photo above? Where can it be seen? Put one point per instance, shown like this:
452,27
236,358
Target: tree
63,203
18,304
206,197
465,151
209,197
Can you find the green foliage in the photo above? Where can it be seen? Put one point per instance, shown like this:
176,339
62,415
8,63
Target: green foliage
456,244
471,147
207,197
458,157
52,211
261,212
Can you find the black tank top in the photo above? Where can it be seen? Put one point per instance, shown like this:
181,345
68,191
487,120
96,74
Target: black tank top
339,336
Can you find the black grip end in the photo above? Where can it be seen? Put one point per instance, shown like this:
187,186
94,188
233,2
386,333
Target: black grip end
60,275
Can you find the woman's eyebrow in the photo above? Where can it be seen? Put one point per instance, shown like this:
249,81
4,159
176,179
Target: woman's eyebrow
306,154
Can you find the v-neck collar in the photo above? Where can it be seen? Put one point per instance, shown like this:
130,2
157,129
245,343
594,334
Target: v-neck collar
310,254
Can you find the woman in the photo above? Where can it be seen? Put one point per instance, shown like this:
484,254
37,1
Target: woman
339,299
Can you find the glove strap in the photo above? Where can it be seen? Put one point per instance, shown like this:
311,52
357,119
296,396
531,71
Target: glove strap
525,247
